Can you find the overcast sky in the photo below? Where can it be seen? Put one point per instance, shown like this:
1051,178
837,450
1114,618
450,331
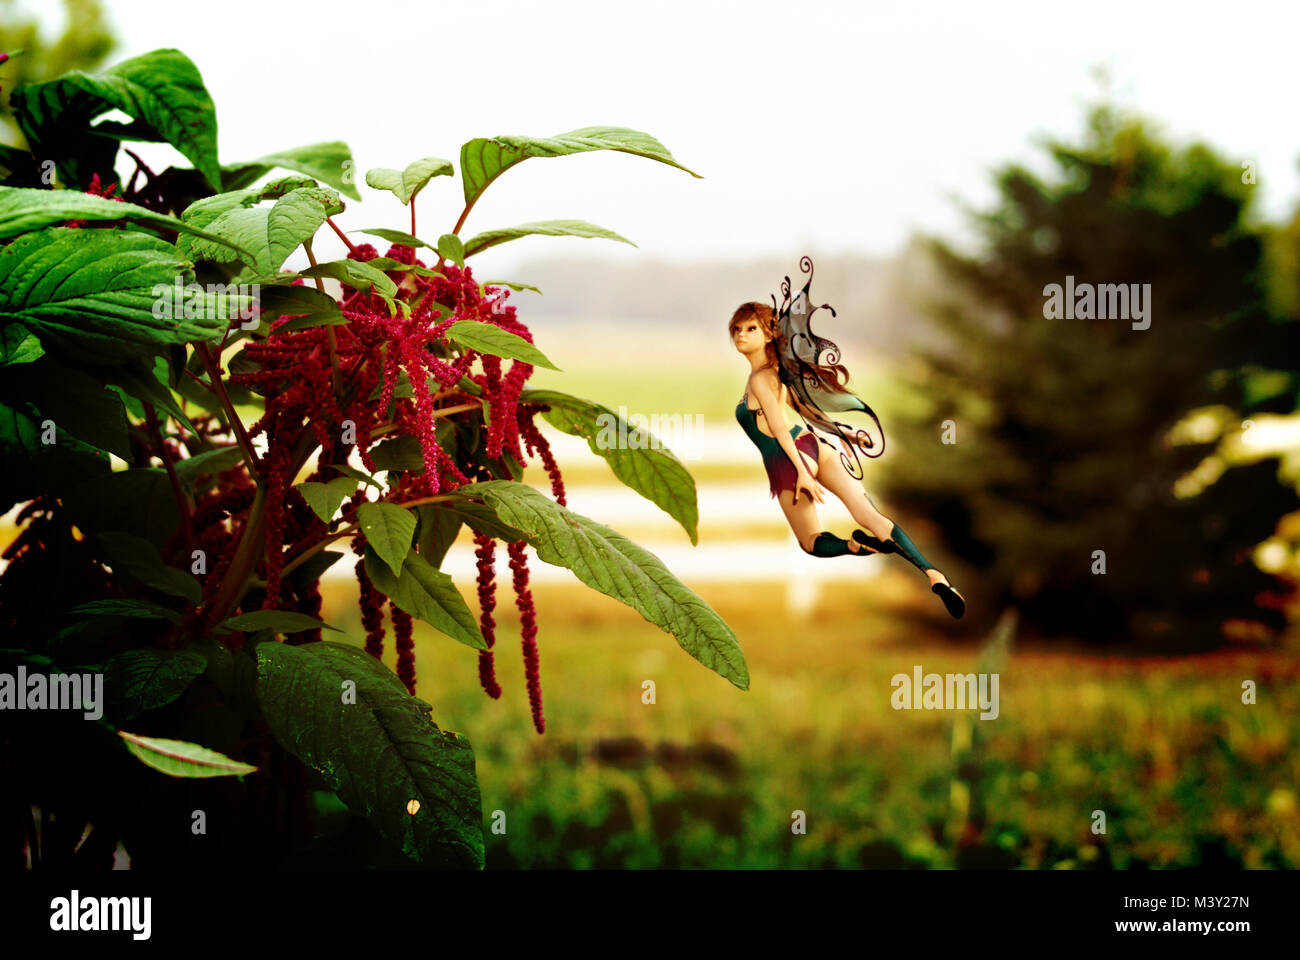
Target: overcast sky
818,126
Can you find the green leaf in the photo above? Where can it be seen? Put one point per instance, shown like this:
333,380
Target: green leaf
161,90
307,306
549,228
202,212
399,453
451,248
331,163
280,621
609,562
270,234
144,383
438,531
325,498
356,274
393,236
19,345
653,471
405,184
23,210
491,339
379,753
314,567
482,160
142,609
512,285
137,501
99,288
355,474
74,400
177,758
145,679
427,593
142,560
389,529
482,519
207,463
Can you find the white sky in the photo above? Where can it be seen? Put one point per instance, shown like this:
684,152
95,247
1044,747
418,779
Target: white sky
820,127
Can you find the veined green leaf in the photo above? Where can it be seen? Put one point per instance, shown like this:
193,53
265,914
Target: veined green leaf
145,679
122,607
100,289
427,593
143,561
325,498
207,463
380,752
356,274
652,471
512,285
389,529
331,163
405,184
393,236
24,209
491,339
161,90
549,228
19,345
451,248
279,621
484,159
271,233
177,758
609,562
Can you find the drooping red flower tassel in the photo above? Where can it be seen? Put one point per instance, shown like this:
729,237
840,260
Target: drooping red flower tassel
403,634
485,551
528,629
372,612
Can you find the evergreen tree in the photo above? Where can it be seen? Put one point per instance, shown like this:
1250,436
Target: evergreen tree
1063,459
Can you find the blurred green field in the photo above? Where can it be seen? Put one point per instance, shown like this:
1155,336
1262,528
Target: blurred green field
709,775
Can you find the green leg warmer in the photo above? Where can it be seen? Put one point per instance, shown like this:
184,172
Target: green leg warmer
908,549
829,545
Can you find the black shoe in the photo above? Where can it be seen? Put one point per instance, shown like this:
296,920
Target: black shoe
875,544
951,599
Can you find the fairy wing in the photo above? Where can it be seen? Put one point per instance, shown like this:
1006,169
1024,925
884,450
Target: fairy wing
810,368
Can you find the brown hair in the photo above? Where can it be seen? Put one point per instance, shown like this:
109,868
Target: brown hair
766,318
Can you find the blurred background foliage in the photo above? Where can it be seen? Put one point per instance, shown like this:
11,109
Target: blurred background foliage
1065,427
85,43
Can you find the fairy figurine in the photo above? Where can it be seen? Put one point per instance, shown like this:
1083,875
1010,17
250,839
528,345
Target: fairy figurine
791,365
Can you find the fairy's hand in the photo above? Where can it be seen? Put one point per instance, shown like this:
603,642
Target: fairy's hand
805,482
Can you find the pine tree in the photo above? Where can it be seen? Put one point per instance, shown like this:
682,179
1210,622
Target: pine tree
1062,426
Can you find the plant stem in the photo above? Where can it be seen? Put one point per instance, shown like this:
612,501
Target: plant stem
342,236
235,581
335,380
182,503
236,425
413,216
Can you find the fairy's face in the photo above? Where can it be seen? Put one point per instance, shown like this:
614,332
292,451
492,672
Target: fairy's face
748,336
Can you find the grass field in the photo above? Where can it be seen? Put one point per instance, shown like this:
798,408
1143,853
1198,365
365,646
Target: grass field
710,776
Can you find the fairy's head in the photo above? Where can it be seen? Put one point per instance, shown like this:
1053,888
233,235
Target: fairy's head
752,328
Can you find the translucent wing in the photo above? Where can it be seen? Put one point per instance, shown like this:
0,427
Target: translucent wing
811,369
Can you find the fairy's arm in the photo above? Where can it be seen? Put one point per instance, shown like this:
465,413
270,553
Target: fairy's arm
764,385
